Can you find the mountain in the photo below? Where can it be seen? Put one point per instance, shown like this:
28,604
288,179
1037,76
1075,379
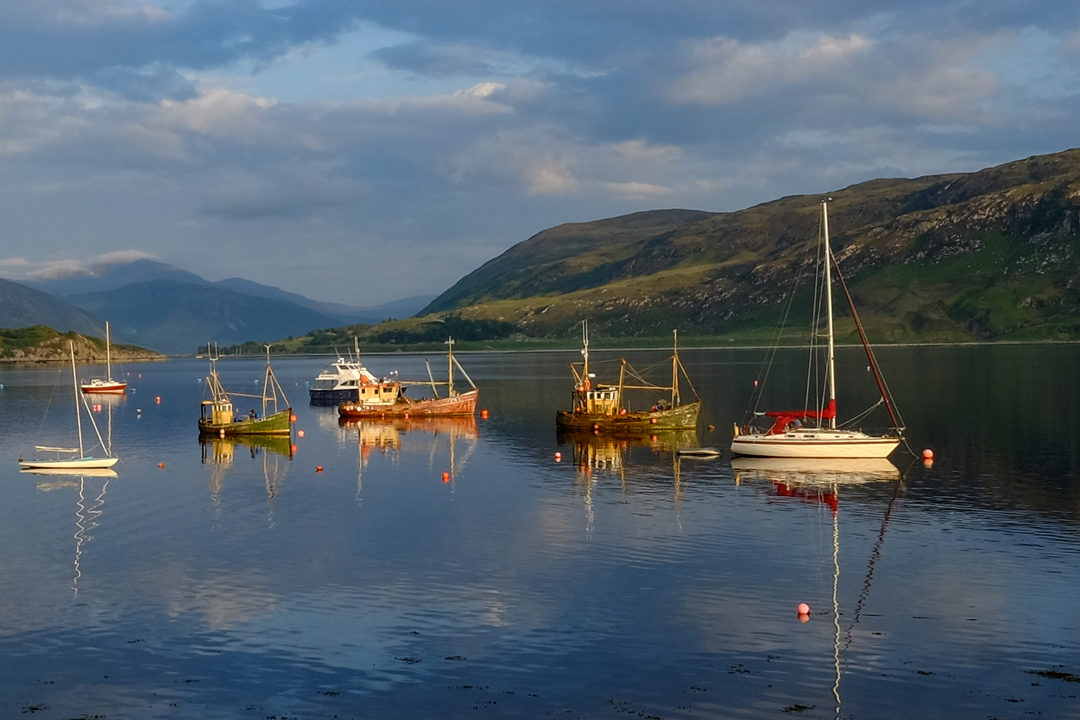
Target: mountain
21,306
346,314
989,255
172,310
177,317
100,277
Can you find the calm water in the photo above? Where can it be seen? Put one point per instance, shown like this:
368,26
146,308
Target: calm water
228,581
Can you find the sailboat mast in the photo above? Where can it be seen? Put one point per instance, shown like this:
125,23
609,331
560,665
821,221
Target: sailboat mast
78,410
831,359
108,353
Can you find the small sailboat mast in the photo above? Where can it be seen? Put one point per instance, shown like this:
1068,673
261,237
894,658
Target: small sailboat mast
78,399
108,354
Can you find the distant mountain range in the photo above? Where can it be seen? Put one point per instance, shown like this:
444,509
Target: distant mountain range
165,308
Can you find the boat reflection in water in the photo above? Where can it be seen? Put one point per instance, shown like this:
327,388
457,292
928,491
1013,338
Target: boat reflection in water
595,455
387,436
88,504
820,480
608,452
276,452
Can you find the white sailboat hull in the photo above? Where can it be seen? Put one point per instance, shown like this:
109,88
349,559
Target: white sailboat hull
815,443
73,464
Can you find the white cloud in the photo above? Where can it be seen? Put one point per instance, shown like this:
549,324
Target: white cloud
217,112
725,70
636,190
551,177
119,257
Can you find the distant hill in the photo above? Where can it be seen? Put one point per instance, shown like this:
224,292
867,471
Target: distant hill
21,306
172,310
177,317
41,343
989,255
346,314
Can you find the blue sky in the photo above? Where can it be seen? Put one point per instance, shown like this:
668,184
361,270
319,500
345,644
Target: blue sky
365,151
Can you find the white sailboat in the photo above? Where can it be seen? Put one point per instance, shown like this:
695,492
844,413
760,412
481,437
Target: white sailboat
813,433
67,458
106,385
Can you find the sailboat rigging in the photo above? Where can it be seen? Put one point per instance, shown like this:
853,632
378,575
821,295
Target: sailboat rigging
791,435
73,458
108,384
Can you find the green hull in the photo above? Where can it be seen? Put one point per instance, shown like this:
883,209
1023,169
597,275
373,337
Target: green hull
683,417
277,424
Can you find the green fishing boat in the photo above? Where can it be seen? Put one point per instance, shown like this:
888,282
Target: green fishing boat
609,407
218,416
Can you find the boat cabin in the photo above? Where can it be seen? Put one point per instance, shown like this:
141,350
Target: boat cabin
381,394
218,412
601,400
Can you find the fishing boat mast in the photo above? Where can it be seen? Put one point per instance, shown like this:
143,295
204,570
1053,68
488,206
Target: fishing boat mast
675,370
450,367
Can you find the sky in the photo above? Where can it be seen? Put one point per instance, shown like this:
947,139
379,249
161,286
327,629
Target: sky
363,151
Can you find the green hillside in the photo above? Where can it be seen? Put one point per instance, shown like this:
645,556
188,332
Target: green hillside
984,256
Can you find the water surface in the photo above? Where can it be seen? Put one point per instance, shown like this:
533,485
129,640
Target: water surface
453,569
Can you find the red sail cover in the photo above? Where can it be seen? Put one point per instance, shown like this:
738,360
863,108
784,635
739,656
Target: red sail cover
786,417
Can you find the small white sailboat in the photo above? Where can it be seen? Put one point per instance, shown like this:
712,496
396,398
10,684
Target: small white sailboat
802,433
67,458
108,384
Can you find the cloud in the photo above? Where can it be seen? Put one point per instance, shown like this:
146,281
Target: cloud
57,269
637,190
119,257
229,129
724,70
